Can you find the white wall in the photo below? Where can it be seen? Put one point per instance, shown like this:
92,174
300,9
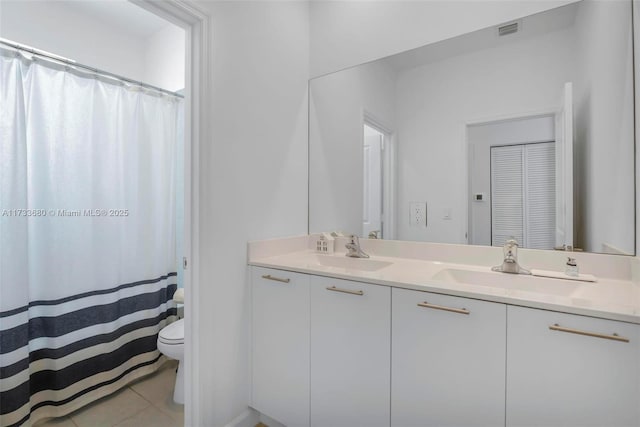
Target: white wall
604,140
64,28
164,58
338,102
348,33
436,101
253,177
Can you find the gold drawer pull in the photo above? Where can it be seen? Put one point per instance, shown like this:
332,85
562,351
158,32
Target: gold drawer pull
614,337
346,291
441,307
277,279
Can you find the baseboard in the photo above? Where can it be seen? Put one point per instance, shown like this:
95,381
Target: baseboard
248,418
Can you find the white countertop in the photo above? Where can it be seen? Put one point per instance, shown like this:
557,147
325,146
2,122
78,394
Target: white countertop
609,298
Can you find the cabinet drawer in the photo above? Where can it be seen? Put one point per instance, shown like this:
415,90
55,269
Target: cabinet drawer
571,370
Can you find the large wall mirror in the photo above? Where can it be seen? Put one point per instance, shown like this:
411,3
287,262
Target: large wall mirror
525,129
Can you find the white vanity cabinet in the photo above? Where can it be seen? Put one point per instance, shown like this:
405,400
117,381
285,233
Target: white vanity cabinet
330,352
562,370
448,361
280,345
350,353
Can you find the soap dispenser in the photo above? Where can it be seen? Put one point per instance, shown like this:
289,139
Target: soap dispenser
572,267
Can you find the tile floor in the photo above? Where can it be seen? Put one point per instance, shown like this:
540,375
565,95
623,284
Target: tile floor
148,402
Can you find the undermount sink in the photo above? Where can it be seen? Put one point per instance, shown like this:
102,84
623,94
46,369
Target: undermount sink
360,264
557,287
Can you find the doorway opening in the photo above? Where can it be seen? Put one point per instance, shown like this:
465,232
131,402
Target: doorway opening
372,191
512,181
513,191
116,80
377,181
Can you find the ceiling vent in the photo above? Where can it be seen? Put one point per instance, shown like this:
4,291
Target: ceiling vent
507,29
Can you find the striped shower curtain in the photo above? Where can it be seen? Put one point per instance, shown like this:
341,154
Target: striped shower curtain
87,235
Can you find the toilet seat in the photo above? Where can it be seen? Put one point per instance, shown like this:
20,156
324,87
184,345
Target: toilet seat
172,334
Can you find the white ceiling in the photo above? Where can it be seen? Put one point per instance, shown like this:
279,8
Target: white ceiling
530,26
120,14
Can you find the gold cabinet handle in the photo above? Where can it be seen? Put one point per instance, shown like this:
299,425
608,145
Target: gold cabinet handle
277,279
345,291
614,337
441,307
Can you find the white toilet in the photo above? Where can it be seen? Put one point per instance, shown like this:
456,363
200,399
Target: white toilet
171,344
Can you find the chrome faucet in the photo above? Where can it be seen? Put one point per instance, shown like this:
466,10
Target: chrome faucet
374,234
355,251
510,261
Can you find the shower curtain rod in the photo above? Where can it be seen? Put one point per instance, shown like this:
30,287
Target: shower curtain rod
93,70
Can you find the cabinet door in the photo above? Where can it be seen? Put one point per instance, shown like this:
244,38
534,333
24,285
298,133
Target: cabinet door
280,338
448,361
350,353
562,378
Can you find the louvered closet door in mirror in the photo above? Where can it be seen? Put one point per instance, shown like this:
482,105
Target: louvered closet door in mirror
523,194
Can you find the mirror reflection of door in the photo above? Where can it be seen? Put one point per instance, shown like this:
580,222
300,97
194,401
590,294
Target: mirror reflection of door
564,169
373,140
523,185
521,179
516,168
